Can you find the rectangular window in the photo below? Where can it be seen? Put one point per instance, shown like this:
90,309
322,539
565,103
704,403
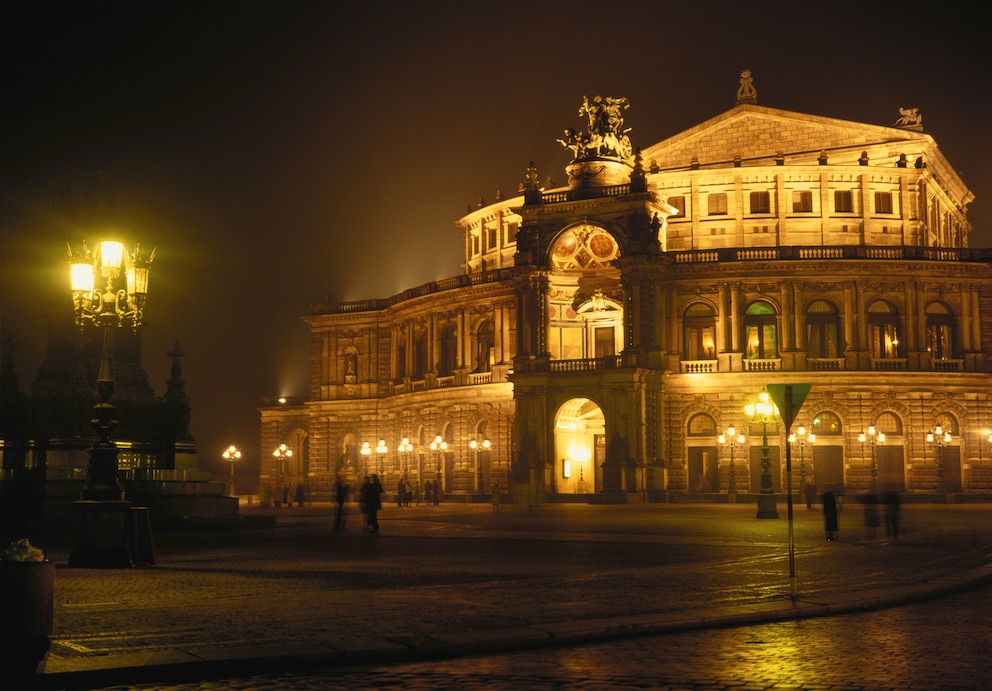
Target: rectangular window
605,344
678,203
565,343
490,238
717,204
802,201
843,202
760,203
475,245
511,233
883,202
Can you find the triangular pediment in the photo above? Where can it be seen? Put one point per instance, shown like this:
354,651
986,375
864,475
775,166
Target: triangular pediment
758,134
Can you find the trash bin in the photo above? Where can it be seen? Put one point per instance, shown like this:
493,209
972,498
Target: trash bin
27,605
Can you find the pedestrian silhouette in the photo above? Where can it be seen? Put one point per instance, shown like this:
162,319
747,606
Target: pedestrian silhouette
871,515
892,514
341,495
373,501
830,515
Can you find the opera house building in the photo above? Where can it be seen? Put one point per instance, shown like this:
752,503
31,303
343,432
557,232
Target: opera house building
611,339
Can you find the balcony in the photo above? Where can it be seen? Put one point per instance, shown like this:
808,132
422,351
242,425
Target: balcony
762,365
699,366
947,365
889,364
826,364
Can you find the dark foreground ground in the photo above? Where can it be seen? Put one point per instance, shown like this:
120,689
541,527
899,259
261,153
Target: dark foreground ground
442,583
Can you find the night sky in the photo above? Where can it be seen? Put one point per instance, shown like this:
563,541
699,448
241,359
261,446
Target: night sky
278,153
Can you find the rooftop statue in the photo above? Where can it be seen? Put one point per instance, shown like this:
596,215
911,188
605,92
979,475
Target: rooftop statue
910,117
606,136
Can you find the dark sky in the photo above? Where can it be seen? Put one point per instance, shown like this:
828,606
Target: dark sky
277,153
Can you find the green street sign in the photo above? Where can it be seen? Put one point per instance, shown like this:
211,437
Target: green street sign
789,399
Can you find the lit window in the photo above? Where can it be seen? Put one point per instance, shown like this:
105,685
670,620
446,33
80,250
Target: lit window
678,203
761,339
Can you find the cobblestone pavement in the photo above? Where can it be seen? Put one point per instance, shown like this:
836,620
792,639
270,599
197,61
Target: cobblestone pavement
937,644
458,567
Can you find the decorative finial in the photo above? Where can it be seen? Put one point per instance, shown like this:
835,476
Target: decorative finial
746,93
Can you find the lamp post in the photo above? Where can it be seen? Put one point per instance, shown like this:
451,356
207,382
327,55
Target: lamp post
732,438
872,437
366,451
101,509
439,446
476,445
120,301
800,438
404,449
380,453
232,454
281,454
940,438
764,412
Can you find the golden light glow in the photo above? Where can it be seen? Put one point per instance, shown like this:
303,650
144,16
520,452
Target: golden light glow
111,256
83,279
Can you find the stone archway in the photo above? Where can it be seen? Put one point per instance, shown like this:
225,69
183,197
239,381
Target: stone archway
579,433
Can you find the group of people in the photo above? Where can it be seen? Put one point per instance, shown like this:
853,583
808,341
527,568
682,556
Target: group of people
832,504
282,497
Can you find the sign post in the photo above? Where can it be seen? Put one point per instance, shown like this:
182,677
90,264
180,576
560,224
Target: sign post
789,399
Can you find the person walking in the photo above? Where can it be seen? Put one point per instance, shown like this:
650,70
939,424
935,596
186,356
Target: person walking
340,496
298,494
810,491
363,501
495,496
830,515
892,514
400,493
374,503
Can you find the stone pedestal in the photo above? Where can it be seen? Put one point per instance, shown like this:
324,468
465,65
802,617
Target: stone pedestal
101,534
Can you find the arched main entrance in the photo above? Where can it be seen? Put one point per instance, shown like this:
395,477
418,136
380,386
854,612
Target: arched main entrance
580,433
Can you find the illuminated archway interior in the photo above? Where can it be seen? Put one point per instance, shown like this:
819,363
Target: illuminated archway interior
580,430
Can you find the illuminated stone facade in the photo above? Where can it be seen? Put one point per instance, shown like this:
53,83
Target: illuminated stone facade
605,332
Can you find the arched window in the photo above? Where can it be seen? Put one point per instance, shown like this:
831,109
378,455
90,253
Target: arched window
484,346
420,356
826,423
760,337
940,332
890,423
449,351
699,332
883,336
701,425
822,330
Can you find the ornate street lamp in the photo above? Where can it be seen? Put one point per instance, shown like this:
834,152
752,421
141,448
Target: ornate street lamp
439,446
763,412
119,301
281,454
872,437
405,449
939,438
380,453
232,454
366,451
732,438
478,446
800,438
